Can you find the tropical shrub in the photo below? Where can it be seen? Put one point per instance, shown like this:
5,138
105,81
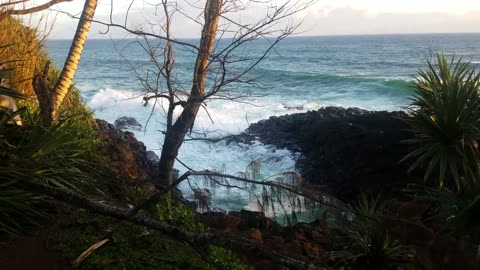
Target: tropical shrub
363,242
446,122
225,259
61,156
18,208
179,214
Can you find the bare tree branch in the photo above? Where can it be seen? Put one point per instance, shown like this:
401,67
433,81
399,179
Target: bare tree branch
135,32
26,11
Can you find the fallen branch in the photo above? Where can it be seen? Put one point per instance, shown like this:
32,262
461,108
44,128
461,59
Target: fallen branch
155,198
193,238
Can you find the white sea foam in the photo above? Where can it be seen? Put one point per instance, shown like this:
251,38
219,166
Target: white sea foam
228,118
223,118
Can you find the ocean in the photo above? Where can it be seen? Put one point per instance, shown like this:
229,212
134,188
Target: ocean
374,72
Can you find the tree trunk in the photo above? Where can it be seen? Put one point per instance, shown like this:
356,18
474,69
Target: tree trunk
51,99
70,67
45,95
175,135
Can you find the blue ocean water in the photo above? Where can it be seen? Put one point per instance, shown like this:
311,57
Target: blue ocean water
372,72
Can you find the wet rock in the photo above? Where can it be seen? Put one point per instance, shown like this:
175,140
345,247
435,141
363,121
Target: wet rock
255,219
126,122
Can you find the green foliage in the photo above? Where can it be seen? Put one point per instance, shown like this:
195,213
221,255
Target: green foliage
363,241
130,247
446,122
63,156
369,208
225,259
18,208
371,247
54,155
178,214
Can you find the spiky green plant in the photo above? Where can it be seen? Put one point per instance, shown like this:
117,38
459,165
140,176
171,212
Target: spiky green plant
446,122
371,248
363,241
61,156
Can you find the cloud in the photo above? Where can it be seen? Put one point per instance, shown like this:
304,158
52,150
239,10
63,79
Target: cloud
348,20
324,20
453,7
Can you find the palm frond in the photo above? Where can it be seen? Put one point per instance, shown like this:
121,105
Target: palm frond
446,122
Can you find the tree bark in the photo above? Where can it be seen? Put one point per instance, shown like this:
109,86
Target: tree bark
175,135
45,95
71,63
51,99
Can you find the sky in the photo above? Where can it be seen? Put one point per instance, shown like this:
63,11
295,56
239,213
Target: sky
324,17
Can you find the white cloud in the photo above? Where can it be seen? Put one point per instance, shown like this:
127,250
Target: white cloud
404,6
325,17
353,21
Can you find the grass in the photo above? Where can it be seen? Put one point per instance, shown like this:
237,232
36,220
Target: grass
130,246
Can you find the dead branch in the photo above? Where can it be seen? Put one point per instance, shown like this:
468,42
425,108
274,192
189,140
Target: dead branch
136,32
26,11
212,140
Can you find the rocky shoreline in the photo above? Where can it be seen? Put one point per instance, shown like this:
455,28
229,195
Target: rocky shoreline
348,151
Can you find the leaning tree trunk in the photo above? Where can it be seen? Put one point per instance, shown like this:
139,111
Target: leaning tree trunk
175,135
52,99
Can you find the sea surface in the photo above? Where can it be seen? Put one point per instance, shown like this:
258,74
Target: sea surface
373,72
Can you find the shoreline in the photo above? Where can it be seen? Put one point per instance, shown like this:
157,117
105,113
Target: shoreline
347,151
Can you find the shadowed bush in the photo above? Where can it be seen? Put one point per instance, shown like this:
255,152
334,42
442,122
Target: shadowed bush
364,242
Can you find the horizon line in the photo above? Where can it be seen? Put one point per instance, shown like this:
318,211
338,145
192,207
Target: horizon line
314,35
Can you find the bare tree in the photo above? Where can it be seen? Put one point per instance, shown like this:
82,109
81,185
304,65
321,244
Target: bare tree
220,62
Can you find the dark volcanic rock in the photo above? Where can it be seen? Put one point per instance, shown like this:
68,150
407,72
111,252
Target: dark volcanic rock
127,157
350,151
304,242
126,122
